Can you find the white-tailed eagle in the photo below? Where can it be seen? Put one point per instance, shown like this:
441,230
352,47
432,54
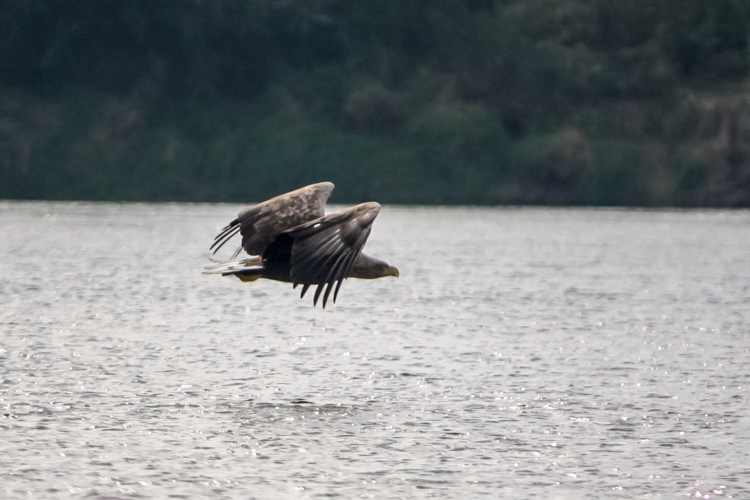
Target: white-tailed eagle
290,239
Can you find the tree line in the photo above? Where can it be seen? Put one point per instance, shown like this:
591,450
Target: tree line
584,102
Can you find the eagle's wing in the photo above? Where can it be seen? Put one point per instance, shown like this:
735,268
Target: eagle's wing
261,223
324,250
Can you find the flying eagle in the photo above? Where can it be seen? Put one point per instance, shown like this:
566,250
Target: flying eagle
290,239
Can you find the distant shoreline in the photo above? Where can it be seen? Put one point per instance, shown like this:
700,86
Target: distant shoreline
544,102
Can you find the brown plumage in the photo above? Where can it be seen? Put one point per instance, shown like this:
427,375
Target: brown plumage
290,239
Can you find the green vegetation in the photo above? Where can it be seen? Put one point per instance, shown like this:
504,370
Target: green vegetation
584,102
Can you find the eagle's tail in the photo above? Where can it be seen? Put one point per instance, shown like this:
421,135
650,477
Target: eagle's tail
247,269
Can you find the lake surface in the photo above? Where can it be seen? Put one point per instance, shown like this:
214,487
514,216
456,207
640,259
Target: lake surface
523,353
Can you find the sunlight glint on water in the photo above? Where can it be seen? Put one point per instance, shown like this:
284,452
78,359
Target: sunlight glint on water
523,353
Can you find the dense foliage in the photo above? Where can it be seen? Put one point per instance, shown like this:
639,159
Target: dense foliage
633,102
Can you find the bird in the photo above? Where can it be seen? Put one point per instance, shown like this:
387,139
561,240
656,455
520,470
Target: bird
290,239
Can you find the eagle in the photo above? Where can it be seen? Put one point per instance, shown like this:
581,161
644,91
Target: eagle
290,239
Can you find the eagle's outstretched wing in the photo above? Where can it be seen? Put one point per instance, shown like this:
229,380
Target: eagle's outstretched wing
261,223
323,251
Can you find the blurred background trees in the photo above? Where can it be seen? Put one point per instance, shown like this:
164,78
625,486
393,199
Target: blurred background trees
634,102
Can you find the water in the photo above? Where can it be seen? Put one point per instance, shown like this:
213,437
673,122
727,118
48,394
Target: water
523,353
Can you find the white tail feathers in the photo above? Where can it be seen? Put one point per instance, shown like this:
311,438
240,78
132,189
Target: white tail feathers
251,266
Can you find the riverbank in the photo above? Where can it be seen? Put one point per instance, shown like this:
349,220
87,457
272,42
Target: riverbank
99,147
547,102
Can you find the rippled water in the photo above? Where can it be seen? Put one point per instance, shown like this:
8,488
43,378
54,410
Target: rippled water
523,353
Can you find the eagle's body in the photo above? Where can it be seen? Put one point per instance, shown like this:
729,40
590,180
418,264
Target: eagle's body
290,239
